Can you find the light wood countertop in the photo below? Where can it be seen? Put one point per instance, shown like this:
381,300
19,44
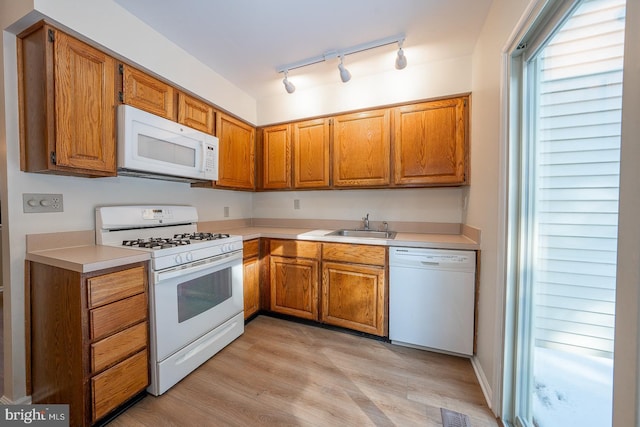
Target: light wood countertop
416,240
87,258
81,254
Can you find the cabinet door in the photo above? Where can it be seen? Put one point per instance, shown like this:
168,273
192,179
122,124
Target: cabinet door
355,254
236,154
85,106
276,157
361,149
294,286
115,286
148,93
195,113
114,386
251,286
251,277
353,296
311,154
430,143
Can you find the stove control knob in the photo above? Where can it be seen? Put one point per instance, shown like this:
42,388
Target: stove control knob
189,256
178,259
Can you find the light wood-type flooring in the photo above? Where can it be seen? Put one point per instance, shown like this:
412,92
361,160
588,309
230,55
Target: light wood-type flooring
283,373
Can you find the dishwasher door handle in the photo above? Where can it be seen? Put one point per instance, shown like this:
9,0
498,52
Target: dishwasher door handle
430,263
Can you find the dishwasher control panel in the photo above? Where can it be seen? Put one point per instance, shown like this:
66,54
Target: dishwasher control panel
416,257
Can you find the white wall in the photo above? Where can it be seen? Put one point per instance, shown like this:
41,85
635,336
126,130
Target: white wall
107,24
13,352
485,205
417,81
412,205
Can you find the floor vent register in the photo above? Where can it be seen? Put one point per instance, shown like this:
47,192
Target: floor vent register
454,419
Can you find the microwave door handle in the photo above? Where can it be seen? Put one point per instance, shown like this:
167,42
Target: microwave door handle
203,162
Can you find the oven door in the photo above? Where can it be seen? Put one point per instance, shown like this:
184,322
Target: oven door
190,301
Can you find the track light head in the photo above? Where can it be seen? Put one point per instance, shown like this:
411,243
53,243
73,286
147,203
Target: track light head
401,60
287,84
345,75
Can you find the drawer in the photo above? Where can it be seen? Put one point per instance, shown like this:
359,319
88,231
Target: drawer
116,385
250,248
116,286
118,346
357,254
294,248
118,315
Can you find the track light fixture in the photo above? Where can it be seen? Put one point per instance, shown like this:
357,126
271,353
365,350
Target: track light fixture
401,60
287,84
345,75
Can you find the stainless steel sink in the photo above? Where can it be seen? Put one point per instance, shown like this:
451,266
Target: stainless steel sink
373,234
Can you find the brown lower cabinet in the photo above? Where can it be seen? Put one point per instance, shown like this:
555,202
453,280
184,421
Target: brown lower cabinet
354,291
334,283
293,271
251,277
89,338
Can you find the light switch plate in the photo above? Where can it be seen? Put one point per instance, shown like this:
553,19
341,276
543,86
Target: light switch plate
39,203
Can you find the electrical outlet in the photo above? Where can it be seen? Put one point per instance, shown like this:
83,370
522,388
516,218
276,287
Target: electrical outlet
296,203
226,211
39,203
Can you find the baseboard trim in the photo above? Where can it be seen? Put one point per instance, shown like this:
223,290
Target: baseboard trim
484,383
26,400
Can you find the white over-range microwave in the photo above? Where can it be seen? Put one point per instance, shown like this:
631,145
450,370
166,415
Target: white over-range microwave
151,146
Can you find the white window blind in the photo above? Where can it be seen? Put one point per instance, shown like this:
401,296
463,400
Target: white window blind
579,82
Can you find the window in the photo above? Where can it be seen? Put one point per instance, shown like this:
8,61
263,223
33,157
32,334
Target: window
567,178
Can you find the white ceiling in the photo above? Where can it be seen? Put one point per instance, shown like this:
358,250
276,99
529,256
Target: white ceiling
246,40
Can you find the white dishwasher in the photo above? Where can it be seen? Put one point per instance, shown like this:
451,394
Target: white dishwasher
432,299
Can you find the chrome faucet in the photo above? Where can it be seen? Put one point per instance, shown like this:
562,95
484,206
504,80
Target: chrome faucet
366,222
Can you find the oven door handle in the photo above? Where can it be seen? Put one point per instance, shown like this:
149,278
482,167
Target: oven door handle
194,267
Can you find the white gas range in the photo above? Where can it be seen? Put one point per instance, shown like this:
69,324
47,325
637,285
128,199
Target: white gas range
195,284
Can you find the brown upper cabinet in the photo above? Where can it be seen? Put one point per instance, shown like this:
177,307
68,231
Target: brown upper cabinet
416,145
311,153
236,156
430,143
67,102
295,155
147,93
195,113
276,155
68,92
362,149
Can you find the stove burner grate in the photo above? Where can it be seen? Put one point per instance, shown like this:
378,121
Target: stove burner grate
156,243
201,236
